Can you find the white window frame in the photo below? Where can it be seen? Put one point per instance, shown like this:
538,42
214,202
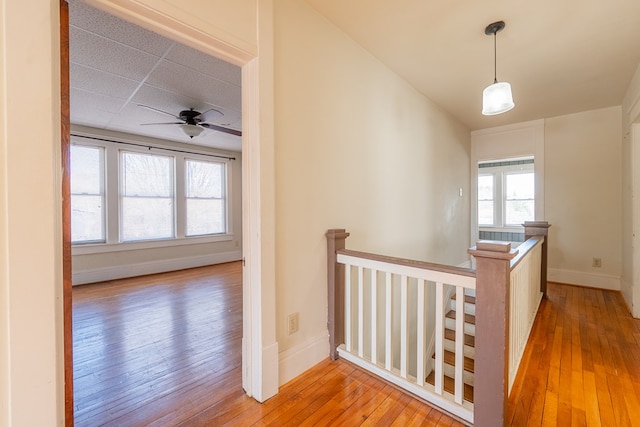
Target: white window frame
102,194
223,197
111,158
499,174
173,195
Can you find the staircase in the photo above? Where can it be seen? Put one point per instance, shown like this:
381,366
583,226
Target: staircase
449,346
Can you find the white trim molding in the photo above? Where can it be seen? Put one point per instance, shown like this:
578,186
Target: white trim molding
151,267
580,278
299,358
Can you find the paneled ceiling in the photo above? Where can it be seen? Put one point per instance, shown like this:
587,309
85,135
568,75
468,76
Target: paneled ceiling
560,56
117,66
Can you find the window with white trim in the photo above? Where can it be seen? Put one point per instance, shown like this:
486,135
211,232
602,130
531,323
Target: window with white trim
506,193
205,197
87,194
146,196
127,197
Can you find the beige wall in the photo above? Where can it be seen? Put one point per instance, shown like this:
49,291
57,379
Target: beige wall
356,148
583,196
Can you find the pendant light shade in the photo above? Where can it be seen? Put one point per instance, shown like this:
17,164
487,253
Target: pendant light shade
497,97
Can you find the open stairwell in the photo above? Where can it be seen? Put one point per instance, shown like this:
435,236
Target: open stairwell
449,346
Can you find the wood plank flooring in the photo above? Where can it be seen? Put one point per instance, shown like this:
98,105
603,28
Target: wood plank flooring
164,350
582,363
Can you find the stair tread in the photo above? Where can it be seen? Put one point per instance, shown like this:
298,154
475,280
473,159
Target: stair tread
449,386
469,340
450,359
470,299
468,318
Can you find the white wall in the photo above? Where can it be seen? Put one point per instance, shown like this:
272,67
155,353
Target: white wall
109,263
583,197
356,148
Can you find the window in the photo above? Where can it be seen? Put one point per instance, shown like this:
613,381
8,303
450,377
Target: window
506,193
485,200
130,197
205,198
87,194
146,196
519,198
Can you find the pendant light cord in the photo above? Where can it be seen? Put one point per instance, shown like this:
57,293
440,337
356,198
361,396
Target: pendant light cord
495,58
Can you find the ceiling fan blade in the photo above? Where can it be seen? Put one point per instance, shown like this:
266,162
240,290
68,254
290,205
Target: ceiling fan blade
221,129
163,123
159,111
210,115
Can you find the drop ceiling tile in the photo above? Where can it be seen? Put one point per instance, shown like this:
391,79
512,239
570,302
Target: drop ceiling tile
177,78
205,64
101,82
106,55
171,102
92,109
101,23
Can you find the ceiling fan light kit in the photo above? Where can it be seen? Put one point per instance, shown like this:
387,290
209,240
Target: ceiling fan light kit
191,130
497,97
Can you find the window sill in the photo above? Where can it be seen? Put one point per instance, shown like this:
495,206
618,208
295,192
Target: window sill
510,229
99,248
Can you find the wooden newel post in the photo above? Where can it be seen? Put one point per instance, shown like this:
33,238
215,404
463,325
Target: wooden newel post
335,289
491,382
539,228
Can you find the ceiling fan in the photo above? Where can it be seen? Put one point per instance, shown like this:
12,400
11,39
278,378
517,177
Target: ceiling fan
193,122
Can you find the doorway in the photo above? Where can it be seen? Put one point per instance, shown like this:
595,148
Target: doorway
259,372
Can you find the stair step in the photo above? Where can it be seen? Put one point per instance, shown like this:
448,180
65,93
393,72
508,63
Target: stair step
450,359
449,386
469,340
469,299
468,318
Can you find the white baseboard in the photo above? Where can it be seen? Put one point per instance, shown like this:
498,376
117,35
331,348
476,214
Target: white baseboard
270,368
298,359
151,267
591,280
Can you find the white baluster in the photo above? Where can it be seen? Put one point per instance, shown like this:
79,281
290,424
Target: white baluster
360,311
439,337
374,317
347,307
404,314
420,318
387,322
459,369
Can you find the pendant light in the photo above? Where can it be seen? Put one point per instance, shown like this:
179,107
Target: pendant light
496,98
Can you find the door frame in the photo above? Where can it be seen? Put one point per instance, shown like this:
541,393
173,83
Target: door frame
259,345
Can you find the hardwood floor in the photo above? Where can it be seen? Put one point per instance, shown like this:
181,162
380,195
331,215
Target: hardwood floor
582,363
164,350
157,349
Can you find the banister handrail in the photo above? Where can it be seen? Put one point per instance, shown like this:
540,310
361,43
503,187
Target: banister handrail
525,248
461,271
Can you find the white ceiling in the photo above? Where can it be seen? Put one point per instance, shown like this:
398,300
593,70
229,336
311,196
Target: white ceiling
116,65
560,56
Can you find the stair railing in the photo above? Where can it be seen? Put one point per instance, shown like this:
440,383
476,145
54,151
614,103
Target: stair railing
382,309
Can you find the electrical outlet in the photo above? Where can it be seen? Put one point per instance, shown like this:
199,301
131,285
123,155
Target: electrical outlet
293,322
597,262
